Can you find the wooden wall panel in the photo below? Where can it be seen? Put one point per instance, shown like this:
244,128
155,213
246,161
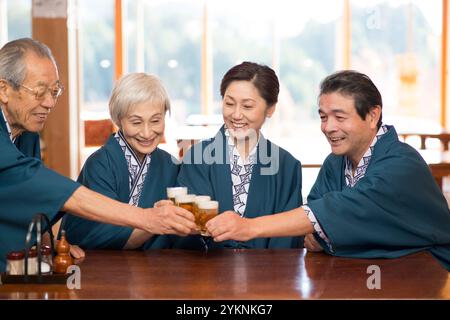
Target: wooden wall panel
53,32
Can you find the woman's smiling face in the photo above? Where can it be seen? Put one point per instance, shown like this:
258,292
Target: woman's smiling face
244,109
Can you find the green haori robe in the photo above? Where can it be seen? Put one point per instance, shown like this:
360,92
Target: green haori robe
106,172
394,210
275,186
27,187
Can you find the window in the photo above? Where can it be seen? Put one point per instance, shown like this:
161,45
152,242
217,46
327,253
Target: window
240,35
309,49
96,60
398,43
164,38
15,20
96,27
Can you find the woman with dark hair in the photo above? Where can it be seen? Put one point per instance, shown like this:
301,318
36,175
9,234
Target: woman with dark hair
239,167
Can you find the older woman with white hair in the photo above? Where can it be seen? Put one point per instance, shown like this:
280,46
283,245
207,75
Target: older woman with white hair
129,167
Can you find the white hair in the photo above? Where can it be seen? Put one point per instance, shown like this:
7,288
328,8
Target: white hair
133,89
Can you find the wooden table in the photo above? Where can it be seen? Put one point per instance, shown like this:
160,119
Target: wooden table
242,274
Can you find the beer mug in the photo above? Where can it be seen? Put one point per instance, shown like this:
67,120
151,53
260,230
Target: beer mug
174,191
197,200
206,211
185,201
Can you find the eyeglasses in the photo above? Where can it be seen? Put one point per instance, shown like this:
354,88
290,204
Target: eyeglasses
40,91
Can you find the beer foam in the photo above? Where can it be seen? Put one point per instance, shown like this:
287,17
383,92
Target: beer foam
208,205
172,192
185,198
199,199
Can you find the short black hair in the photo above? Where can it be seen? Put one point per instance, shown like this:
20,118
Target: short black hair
356,85
263,78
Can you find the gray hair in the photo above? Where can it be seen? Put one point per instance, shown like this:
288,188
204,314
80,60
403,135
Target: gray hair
133,89
12,59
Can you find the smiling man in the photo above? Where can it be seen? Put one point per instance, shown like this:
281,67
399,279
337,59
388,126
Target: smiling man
374,196
29,89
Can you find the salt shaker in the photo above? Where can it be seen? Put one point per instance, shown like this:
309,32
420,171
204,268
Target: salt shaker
32,262
47,259
15,263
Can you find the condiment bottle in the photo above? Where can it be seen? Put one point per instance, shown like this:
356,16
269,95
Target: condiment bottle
63,260
15,263
32,262
47,259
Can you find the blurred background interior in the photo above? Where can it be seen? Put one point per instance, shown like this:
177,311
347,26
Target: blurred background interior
190,44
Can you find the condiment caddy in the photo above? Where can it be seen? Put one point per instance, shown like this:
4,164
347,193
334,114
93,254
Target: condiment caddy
38,266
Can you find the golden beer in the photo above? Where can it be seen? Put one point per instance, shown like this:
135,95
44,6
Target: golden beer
206,211
174,191
185,201
197,200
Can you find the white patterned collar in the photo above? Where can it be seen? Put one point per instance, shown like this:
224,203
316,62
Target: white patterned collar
241,173
8,128
363,164
233,152
137,170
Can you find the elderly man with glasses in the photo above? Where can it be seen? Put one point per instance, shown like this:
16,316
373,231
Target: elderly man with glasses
29,88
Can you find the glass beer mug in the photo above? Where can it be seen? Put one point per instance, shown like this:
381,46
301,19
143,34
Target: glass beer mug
172,192
185,201
197,200
206,211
